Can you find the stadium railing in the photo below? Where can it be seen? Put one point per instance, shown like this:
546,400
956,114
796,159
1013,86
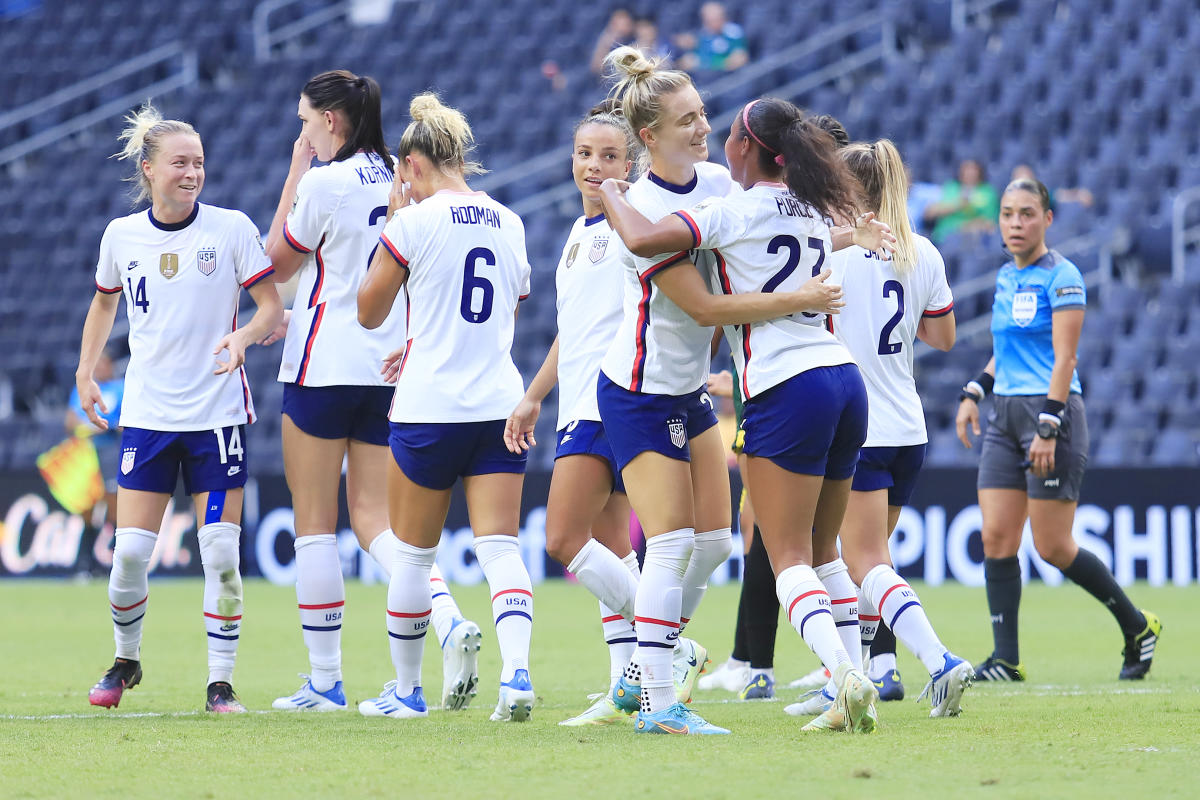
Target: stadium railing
1183,235
266,38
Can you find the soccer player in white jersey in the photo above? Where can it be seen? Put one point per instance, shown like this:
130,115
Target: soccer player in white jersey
335,401
460,258
891,304
182,266
587,512
805,403
651,393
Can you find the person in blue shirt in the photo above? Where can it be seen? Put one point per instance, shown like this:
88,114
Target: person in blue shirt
720,45
1035,449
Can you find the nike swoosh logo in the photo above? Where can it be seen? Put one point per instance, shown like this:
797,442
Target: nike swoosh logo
670,729
878,684
692,661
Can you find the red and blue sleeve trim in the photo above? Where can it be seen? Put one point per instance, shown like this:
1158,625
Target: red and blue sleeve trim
106,290
391,248
291,240
523,298
939,312
692,226
266,273
678,258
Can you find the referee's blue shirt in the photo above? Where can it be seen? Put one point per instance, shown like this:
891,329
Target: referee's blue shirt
1022,320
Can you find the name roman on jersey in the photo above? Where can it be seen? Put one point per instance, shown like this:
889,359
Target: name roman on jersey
474,215
372,173
791,207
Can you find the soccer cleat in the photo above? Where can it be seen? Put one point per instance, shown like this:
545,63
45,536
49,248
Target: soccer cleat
760,687
831,719
123,674
813,680
889,686
601,712
516,699
675,719
391,704
460,672
813,702
221,699
946,686
626,695
687,663
856,699
730,676
1139,650
307,698
996,669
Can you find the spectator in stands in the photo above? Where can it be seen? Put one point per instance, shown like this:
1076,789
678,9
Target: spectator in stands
647,39
1036,447
967,204
619,31
1079,195
719,46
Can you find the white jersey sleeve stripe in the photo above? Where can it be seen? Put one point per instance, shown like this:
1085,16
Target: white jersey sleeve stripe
391,248
253,279
692,226
291,240
939,312
308,344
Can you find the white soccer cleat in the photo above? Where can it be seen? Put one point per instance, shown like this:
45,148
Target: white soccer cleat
516,699
856,699
389,704
815,701
730,676
688,661
946,686
813,680
308,698
460,665
601,712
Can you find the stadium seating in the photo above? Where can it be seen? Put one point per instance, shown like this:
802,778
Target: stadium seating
1095,94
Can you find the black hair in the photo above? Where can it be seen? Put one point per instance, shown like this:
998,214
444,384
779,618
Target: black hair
831,125
1033,186
358,97
789,142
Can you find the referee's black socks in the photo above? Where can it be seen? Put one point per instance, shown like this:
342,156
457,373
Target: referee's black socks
1090,573
1003,577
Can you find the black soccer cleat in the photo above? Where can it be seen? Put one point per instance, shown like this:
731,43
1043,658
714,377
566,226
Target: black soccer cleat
221,699
123,674
996,669
1139,649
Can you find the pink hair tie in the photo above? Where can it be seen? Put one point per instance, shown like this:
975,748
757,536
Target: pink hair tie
779,159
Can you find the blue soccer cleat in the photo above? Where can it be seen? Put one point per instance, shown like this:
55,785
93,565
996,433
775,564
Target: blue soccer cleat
889,686
390,704
946,686
516,699
627,695
675,719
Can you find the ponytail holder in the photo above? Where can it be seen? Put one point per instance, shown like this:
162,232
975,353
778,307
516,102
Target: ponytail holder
779,159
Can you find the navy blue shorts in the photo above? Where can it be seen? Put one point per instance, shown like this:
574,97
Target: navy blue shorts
585,437
813,423
436,454
661,423
211,460
892,468
340,412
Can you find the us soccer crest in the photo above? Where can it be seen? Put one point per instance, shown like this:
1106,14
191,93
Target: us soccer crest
599,245
678,436
574,251
206,260
127,459
168,265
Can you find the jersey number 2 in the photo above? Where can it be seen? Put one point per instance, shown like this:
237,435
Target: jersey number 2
471,282
793,247
886,346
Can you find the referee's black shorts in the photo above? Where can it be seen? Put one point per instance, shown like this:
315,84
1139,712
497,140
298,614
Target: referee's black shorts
1012,425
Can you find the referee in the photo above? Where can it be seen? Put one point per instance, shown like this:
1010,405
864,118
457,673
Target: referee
1035,449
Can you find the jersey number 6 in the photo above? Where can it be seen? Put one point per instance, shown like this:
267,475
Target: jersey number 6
471,282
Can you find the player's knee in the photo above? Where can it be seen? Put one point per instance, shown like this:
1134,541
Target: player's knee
132,549
999,543
1058,554
219,549
563,544
714,547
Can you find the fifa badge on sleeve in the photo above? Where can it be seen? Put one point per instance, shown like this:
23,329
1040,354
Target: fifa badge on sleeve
168,265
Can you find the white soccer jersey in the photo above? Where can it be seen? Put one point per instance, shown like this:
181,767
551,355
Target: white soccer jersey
658,348
339,213
467,268
766,240
879,326
181,285
590,287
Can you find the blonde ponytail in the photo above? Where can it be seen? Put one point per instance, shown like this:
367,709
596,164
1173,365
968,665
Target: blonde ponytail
142,135
441,134
880,170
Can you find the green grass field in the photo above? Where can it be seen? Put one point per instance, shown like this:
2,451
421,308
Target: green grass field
1072,731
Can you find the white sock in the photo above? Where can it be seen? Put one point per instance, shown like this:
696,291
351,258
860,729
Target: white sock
445,610
383,551
605,576
321,596
408,607
711,549
619,633
512,600
808,608
843,596
129,589
659,599
221,558
868,624
901,609
882,664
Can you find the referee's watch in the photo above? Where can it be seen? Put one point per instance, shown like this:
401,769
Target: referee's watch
1047,430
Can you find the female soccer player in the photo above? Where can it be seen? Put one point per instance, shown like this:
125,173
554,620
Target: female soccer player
805,403
1035,449
587,512
335,402
460,258
894,302
182,265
